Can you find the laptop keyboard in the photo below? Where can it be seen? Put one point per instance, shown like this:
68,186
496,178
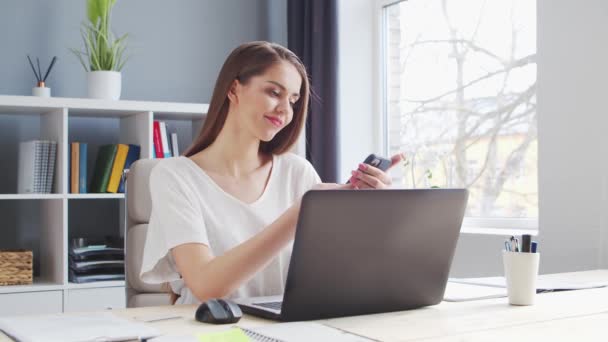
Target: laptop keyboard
270,305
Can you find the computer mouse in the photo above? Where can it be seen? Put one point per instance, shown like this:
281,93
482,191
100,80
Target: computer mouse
218,311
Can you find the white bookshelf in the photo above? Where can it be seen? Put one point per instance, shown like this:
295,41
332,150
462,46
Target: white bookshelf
48,221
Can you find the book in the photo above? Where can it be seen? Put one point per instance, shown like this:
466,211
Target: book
30,158
82,168
50,177
175,149
45,165
164,140
74,167
132,156
117,166
158,145
103,168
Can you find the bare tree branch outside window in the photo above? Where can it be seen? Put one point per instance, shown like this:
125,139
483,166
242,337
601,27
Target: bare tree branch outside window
462,100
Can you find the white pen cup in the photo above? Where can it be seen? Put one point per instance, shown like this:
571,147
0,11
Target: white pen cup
521,272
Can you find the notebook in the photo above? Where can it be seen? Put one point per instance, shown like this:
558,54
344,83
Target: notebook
280,332
65,328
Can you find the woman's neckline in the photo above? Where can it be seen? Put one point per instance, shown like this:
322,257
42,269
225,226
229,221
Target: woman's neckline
229,195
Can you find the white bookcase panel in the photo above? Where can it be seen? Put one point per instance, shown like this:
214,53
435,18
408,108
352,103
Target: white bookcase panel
53,250
134,129
44,302
46,223
79,300
53,127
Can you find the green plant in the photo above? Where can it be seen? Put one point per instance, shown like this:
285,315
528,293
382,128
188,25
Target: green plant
102,50
429,176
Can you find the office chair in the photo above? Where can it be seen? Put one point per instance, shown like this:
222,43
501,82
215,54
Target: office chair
139,207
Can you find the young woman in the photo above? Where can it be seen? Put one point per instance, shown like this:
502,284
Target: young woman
224,214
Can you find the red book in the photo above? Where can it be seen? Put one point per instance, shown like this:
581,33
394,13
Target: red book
158,145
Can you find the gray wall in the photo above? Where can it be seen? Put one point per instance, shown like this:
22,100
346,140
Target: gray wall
176,47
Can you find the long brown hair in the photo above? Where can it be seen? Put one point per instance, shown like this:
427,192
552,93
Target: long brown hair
248,60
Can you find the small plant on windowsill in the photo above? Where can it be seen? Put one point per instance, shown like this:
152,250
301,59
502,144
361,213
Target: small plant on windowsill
429,177
103,54
428,173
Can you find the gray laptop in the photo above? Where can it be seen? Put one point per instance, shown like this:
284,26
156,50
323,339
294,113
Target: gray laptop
367,251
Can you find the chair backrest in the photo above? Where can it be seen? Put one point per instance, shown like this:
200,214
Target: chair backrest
139,207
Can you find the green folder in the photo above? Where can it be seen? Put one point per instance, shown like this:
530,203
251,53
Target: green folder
103,168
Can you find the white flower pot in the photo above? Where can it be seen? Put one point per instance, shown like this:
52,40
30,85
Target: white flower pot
104,84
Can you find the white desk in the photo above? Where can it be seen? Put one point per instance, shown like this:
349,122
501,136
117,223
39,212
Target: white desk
560,316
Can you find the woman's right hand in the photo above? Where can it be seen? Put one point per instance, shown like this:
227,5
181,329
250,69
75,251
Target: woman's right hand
332,186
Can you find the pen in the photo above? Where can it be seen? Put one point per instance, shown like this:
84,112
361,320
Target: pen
534,246
526,240
507,246
517,249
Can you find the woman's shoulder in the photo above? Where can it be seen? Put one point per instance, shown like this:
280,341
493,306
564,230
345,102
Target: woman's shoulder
293,161
171,169
297,168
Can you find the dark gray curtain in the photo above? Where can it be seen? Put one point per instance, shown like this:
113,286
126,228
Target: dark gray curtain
312,33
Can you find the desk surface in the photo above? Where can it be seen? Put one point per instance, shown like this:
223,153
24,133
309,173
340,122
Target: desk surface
557,316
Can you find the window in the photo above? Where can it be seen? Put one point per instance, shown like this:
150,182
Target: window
460,101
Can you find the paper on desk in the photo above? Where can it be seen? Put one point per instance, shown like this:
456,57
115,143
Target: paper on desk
458,292
544,283
230,335
85,327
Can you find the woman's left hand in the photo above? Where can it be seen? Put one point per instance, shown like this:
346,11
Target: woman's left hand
369,177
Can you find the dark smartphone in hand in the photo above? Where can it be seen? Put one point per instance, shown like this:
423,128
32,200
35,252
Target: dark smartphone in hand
377,162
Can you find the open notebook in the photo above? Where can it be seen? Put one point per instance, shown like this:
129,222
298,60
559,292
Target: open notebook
280,332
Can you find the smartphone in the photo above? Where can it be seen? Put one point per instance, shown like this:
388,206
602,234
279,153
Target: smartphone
377,162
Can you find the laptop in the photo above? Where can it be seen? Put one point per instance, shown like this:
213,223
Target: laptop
360,252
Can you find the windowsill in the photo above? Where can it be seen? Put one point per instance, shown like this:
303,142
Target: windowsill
498,231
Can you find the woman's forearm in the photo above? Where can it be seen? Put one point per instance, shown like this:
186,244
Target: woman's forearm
222,275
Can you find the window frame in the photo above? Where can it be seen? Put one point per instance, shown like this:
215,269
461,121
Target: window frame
475,225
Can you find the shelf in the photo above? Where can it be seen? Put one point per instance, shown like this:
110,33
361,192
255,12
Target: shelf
30,196
58,196
39,285
48,223
96,284
94,196
99,108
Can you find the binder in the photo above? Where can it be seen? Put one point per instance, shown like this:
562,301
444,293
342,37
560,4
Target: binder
103,168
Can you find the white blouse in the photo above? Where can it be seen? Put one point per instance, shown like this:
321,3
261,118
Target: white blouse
189,207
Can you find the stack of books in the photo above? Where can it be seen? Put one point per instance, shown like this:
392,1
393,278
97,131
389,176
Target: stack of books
36,166
112,160
165,145
96,263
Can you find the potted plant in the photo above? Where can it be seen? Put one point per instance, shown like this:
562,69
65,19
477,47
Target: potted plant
103,54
